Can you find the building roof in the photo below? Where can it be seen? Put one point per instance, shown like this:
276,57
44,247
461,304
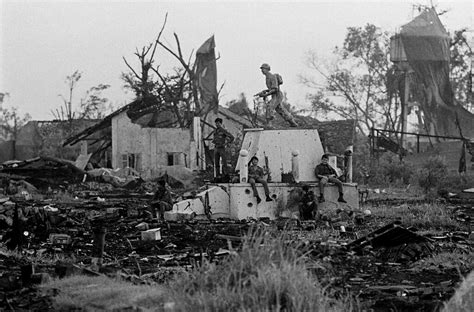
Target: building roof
103,124
335,135
107,122
235,117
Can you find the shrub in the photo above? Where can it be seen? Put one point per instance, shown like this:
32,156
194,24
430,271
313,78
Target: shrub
453,182
433,172
397,171
388,170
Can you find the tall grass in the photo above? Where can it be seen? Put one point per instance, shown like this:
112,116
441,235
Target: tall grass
268,274
463,298
454,183
423,216
100,293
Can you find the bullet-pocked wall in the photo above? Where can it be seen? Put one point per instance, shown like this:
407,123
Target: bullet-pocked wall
278,147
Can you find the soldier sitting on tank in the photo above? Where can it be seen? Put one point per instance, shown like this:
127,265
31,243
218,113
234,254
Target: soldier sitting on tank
325,173
255,175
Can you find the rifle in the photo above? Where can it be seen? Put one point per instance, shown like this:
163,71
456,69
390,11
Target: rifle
269,176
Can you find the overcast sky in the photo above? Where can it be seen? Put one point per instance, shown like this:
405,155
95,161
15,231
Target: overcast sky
42,42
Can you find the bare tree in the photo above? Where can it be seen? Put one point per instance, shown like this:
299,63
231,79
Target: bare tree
354,86
65,111
92,106
176,91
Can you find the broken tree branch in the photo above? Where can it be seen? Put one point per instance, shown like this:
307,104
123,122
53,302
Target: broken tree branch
159,35
130,67
178,44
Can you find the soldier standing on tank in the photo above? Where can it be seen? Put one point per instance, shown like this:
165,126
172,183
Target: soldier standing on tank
273,89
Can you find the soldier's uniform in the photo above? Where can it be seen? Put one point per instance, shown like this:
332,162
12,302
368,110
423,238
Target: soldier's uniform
329,175
220,140
276,100
255,175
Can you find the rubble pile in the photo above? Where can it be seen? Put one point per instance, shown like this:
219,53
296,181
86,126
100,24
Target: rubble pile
359,253
379,270
19,294
42,171
463,213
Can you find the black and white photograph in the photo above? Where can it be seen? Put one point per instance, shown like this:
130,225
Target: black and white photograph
237,155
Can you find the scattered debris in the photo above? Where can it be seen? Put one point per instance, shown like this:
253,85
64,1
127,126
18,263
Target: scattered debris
398,243
42,171
151,235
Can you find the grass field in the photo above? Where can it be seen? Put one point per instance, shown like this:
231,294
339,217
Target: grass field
422,216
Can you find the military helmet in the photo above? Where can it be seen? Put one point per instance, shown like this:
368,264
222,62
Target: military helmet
265,65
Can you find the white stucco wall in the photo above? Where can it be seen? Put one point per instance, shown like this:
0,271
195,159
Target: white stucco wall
278,146
153,144
236,201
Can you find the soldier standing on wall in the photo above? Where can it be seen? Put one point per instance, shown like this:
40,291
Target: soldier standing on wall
221,138
273,82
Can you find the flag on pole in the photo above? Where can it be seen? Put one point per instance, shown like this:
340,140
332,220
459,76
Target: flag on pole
206,74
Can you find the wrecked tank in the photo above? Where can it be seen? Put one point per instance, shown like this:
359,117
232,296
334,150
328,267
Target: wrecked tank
290,162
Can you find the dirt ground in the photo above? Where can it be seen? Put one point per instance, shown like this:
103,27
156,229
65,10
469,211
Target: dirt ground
385,278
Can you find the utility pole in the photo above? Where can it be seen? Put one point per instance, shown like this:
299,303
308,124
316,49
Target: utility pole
14,134
406,97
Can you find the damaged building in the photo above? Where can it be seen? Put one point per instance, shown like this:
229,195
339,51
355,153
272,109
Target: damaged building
165,148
